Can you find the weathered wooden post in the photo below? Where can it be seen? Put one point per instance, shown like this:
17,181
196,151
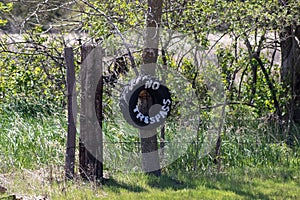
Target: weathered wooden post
90,143
71,136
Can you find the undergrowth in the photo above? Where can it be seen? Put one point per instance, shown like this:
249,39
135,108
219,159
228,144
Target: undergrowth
30,142
254,162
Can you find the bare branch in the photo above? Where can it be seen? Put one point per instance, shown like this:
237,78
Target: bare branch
131,58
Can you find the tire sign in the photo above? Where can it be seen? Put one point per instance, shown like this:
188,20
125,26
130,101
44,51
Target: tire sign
145,102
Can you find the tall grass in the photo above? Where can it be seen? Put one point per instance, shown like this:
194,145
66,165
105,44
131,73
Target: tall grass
30,141
255,164
247,141
37,139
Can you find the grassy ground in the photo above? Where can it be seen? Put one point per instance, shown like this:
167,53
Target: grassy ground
32,159
241,184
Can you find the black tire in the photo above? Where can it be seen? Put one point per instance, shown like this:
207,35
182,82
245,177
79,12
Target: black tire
161,102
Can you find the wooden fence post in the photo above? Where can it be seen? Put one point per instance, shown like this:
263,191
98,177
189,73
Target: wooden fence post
91,156
71,136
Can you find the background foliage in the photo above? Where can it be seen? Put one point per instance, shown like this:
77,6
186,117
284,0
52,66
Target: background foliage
244,35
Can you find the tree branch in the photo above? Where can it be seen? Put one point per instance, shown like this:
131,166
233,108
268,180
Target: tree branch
131,58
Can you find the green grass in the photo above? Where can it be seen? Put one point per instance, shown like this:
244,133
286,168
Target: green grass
241,184
32,164
31,142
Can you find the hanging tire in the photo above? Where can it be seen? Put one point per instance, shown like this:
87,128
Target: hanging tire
145,102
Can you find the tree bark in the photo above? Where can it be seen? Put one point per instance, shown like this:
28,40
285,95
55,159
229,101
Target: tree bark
150,51
149,143
290,73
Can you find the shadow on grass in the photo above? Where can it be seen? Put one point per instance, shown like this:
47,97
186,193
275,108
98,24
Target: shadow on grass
162,183
235,184
166,182
245,185
116,186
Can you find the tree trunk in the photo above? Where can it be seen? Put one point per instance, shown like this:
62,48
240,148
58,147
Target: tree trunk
149,144
290,74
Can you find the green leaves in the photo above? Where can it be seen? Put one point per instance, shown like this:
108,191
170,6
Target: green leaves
4,8
99,16
32,75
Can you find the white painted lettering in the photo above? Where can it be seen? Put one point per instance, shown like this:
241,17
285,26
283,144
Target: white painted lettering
148,84
136,109
155,85
165,108
157,117
146,120
163,114
166,102
152,120
140,116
